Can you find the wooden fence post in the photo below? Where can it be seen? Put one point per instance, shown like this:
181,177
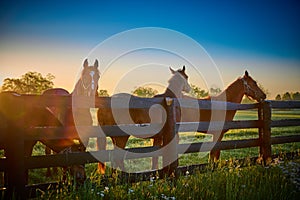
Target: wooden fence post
264,114
170,156
14,152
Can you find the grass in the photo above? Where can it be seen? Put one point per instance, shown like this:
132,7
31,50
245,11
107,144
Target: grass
229,181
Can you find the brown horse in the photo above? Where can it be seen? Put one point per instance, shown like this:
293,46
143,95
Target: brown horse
17,115
87,85
233,93
177,84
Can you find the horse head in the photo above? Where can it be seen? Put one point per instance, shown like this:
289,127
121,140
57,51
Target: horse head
89,79
251,89
181,79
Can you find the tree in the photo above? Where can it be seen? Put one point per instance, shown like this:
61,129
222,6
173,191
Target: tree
147,92
278,97
215,91
296,96
197,92
286,97
29,83
103,93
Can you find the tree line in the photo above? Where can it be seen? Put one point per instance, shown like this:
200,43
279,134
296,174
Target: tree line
36,83
288,96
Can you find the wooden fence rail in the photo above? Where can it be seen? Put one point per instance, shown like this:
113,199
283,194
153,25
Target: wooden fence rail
264,123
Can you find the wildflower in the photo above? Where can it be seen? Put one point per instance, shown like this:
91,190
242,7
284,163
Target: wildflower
187,173
106,189
130,191
101,194
152,179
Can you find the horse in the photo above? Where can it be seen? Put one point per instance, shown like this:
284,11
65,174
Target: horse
234,93
87,85
61,114
17,115
177,84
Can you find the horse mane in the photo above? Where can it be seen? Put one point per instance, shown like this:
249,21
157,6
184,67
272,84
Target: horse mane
230,91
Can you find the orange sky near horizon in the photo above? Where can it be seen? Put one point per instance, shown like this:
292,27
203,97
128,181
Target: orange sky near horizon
65,63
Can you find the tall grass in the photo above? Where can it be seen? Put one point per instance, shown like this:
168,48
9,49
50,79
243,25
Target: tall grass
224,182
230,181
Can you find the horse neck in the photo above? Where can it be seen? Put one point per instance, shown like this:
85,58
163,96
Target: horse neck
79,90
174,89
171,94
233,93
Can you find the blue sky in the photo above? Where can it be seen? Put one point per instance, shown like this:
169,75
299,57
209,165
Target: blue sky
234,33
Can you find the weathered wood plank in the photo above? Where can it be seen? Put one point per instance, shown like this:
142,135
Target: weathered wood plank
216,105
144,130
223,145
122,102
285,139
266,146
141,130
217,125
3,163
285,104
77,158
285,122
60,160
86,102
170,156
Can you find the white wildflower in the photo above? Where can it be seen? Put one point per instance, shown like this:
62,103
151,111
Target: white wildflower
101,194
130,191
152,179
187,173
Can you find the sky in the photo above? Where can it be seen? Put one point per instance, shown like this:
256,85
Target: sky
56,36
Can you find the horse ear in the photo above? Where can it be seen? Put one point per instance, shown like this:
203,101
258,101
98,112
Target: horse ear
246,73
96,63
183,68
172,70
85,63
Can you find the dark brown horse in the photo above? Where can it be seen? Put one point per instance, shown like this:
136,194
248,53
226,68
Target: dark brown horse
177,84
23,115
87,85
17,116
233,93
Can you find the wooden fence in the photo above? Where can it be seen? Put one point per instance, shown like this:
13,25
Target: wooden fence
15,165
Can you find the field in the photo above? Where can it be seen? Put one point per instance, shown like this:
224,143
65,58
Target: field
229,180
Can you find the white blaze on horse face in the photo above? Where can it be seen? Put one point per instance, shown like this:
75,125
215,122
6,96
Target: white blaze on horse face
92,73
